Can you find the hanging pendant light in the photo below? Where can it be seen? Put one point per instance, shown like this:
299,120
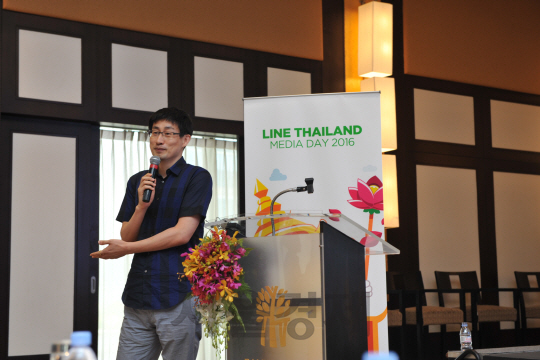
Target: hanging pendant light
375,39
388,109
391,211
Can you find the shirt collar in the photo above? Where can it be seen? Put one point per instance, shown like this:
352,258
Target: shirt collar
177,167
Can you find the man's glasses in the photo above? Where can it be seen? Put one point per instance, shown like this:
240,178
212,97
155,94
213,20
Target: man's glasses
166,134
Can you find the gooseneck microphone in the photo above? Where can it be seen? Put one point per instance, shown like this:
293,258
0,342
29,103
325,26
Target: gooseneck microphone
308,188
154,162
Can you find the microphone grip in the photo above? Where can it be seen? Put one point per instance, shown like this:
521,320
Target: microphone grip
148,193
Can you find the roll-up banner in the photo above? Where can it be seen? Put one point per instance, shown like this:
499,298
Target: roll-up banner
336,140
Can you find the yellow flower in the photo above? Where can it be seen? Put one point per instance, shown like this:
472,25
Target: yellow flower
212,259
226,293
223,255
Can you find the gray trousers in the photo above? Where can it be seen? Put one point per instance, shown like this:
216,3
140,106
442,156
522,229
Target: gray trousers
174,332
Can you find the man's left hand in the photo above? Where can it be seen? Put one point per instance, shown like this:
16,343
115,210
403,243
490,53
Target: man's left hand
115,250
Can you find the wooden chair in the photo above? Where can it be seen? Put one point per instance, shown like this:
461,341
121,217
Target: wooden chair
527,311
394,317
477,311
415,310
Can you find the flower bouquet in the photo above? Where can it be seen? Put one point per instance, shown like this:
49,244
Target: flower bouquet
216,279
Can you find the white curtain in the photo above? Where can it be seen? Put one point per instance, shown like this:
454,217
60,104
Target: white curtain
219,157
122,154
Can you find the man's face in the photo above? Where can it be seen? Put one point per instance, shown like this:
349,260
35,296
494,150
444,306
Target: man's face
168,148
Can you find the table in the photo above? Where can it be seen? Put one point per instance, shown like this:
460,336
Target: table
509,353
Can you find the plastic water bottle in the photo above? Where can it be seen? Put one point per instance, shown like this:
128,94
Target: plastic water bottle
60,350
465,337
80,346
380,356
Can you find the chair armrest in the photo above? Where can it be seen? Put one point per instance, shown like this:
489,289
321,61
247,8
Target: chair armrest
516,293
498,289
399,293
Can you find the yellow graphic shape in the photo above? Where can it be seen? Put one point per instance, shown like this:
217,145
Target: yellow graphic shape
284,225
264,202
373,330
271,308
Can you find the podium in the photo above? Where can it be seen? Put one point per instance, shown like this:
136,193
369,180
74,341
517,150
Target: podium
308,286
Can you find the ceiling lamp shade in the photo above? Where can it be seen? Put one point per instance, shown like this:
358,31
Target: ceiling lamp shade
375,39
388,109
391,212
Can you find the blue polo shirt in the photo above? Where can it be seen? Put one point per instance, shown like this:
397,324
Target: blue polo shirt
153,279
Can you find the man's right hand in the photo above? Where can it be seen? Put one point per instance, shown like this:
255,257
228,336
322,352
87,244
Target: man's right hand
147,182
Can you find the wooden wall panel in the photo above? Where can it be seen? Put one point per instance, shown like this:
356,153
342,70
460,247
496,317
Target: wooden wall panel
491,43
515,126
443,117
447,224
51,237
287,27
517,230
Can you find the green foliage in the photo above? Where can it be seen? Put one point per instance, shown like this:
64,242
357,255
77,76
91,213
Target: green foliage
372,211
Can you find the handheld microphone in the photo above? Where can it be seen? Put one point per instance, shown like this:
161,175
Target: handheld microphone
154,162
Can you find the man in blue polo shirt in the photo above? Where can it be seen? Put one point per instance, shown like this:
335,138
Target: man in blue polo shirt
156,317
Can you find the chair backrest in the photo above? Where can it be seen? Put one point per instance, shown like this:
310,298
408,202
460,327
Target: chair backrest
467,280
393,302
522,279
407,281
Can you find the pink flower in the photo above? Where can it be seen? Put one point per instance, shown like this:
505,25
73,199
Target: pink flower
223,268
236,270
212,289
368,195
241,251
370,241
231,284
334,211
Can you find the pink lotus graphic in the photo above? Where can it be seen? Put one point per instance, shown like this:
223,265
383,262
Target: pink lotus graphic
334,211
370,241
368,195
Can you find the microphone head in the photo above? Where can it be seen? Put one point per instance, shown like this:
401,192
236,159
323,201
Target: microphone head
309,183
155,160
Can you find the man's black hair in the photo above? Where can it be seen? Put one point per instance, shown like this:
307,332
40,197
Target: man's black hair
176,116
